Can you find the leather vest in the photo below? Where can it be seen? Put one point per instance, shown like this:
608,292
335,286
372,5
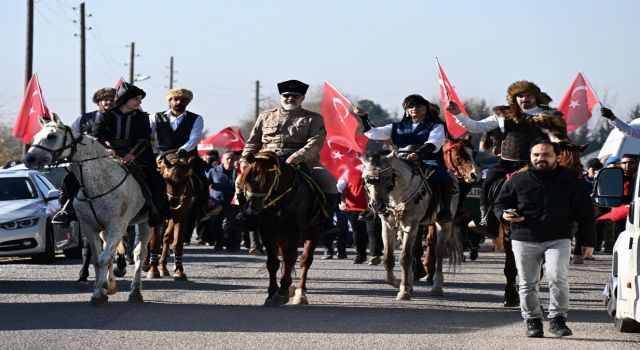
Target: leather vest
169,139
402,135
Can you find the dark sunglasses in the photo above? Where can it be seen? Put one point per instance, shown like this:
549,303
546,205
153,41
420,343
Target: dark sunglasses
291,95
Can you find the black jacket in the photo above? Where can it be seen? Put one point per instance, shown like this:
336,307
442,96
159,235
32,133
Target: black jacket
550,204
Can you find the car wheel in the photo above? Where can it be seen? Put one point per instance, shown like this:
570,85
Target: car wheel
626,325
75,252
49,254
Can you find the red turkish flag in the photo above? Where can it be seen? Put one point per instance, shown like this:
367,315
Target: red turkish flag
228,138
616,214
577,103
33,106
120,81
447,93
339,153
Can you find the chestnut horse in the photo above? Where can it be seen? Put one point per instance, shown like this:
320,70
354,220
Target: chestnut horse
289,211
459,158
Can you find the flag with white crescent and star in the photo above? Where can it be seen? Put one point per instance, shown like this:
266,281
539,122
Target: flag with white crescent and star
339,153
227,138
33,106
447,93
577,103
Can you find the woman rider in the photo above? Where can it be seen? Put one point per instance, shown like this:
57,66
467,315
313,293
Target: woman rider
126,132
420,134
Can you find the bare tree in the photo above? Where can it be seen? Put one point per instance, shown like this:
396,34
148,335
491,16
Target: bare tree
10,147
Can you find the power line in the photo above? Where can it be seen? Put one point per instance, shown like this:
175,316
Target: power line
63,17
51,24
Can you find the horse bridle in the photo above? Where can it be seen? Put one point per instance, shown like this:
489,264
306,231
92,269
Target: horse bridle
56,153
182,196
453,164
274,185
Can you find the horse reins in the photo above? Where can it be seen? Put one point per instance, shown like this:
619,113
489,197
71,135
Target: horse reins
274,184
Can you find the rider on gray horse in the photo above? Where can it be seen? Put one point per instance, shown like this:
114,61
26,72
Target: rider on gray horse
419,136
126,132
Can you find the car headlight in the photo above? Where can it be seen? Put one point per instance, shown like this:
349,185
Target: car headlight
20,223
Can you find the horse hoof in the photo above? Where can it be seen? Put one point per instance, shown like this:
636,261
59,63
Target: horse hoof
300,297
181,276
135,297
473,254
428,281
403,296
99,301
280,299
511,303
164,272
292,291
119,272
269,302
145,267
153,274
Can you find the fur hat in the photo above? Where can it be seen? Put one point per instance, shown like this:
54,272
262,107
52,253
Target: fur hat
126,92
180,93
104,93
523,86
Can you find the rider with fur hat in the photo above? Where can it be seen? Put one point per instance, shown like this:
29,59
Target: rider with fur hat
126,133
510,131
419,135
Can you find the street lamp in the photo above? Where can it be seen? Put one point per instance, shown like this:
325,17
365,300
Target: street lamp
141,78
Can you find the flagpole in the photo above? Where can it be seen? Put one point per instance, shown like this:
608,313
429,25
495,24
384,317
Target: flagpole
594,91
40,92
446,92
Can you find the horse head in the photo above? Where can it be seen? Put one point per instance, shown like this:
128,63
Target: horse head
378,177
459,158
174,169
260,180
51,144
569,156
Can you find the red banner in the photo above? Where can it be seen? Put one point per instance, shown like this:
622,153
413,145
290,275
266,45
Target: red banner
339,152
227,138
33,106
447,93
577,103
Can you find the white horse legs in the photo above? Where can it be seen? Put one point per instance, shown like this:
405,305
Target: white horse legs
406,262
140,254
389,259
105,281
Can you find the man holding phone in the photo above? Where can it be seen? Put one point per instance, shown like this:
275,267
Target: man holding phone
541,204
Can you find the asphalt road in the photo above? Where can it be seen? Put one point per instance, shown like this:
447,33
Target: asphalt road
351,308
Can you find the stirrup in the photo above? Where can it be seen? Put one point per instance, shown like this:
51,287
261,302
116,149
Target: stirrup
62,218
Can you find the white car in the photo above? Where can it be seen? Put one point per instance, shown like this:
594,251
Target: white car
28,201
622,292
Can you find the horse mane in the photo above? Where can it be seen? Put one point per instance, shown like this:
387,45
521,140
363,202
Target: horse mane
258,165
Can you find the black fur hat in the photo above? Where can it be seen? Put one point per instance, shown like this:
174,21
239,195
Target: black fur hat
126,92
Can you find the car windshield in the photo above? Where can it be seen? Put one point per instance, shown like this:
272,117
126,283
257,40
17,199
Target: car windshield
15,188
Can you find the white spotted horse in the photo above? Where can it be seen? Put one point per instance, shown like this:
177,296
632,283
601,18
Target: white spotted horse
109,200
400,194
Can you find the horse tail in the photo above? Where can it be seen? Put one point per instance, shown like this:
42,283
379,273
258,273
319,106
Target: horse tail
455,250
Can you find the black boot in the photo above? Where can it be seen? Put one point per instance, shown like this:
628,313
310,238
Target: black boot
480,226
558,327
328,226
534,328
65,216
444,214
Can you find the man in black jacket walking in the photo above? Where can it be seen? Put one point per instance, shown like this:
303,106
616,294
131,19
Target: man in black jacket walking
542,205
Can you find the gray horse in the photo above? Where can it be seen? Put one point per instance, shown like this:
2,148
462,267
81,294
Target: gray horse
401,196
109,200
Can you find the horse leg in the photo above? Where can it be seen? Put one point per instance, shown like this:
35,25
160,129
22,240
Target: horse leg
289,252
178,274
95,243
105,259
300,296
273,263
121,264
511,297
441,246
154,247
140,253
167,237
406,262
429,261
389,259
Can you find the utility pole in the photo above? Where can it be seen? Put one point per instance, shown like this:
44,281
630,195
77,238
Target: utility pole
257,98
131,59
28,68
171,73
83,76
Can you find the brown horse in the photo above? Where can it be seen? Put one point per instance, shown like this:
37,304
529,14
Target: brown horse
459,158
178,174
289,212
569,157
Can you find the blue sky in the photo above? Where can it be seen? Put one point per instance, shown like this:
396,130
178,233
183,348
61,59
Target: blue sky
378,50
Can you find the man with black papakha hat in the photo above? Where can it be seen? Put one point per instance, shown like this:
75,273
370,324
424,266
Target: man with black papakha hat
510,132
126,132
296,135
